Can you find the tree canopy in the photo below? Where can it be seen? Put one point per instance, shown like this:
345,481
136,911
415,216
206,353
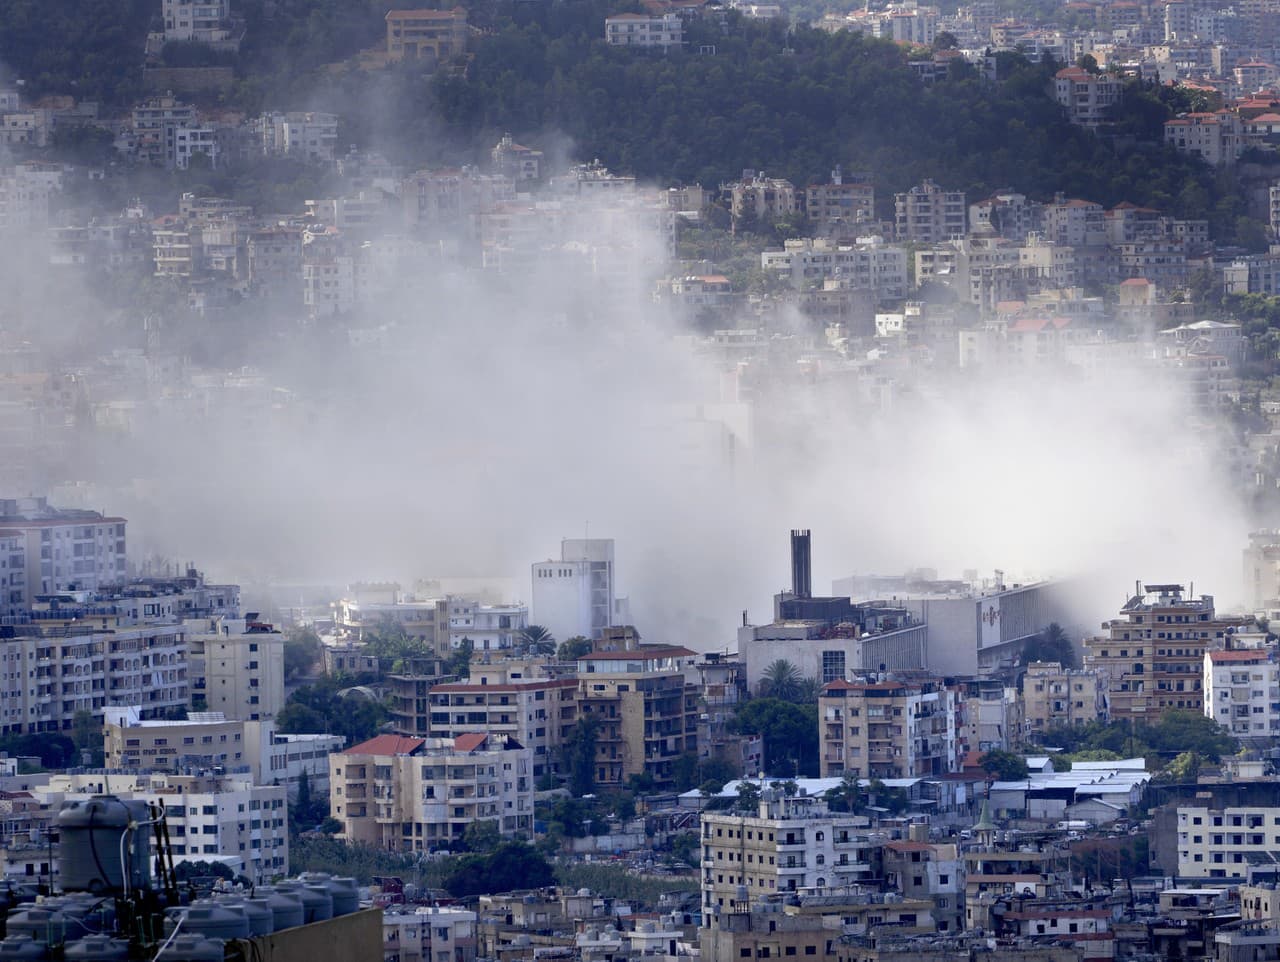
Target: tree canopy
789,731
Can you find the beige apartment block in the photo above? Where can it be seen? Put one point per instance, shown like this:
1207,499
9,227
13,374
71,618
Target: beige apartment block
887,729
1056,697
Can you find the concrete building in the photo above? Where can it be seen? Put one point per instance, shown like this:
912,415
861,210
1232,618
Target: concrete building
887,729
516,161
61,548
868,264
971,627
539,713
842,208
643,30
1153,654
1057,697
198,21
1261,564
645,709
761,197
415,794
236,666
1087,97
1223,842
425,933
791,844
928,214
1075,223
576,595
1242,692
1218,137
209,741
486,627
433,36
222,818
924,871
306,135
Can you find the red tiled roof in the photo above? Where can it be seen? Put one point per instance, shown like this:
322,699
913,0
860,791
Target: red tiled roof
908,846
838,685
1238,655
1135,282
387,745
467,687
470,742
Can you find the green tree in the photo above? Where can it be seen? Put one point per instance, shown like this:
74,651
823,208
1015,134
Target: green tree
573,648
86,734
781,679
748,796
538,639
1052,644
1004,766
580,756
511,866
789,732
459,664
847,796
302,649
482,836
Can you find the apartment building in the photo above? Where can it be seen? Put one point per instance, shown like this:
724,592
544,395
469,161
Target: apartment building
1242,691
486,627
989,716
155,123
869,264
306,135
236,666
1224,842
213,817
434,36
201,21
576,595
516,161
1087,97
1153,654
761,197
928,214
791,843
841,208
646,709
642,30
933,872
538,713
1075,223
1218,137
56,549
428,933
1261,564
887,729
209,741
407,794
1055,697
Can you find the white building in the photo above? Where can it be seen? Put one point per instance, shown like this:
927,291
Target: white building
870,264
642,30
1223,842
201,21
305,135
487,627
64,548
428,934
1087,97
1242,690
576,595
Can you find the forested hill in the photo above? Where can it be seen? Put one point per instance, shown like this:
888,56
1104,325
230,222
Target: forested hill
793,102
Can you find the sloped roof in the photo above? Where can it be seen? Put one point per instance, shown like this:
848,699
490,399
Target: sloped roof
387,745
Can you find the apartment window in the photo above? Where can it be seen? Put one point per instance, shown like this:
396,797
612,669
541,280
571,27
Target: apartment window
833,663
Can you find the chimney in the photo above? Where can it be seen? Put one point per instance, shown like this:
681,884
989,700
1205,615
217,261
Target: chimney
801,564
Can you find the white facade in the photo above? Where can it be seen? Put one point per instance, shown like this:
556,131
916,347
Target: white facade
640,30
575,595
1218,843
1241,692
305,135
870,264
203,21
64,548
428,934
487,627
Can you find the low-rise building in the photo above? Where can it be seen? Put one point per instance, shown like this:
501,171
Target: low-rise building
1223,842
433,36
1087,97
1055,697
644,30
407,794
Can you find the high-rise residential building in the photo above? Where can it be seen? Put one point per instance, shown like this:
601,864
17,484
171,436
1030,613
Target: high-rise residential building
1153,654
539,713
1056,697
407,794
1242,691
61,548
887,729
576,595
1262,566
236,666
645,709
929,214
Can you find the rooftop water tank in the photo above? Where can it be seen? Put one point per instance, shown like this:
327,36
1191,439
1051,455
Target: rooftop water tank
285,906
97,948
262,920
213,920
344,891
22,948
192,948
46,926
317,903
89,845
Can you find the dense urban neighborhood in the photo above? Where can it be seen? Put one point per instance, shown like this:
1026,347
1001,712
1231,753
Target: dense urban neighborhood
407,420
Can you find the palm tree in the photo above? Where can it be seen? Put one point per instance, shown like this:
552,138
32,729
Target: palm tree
781,679
538,639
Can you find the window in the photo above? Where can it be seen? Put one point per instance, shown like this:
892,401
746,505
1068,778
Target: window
833,663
